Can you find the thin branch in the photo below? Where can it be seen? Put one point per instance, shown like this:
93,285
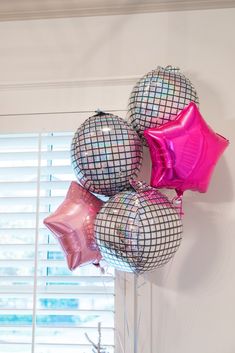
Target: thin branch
97,348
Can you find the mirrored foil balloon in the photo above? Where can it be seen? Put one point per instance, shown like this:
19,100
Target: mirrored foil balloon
158,97
106,153
73,226
138,231
184,152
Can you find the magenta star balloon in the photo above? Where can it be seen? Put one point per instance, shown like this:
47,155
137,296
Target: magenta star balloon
73,225
184,152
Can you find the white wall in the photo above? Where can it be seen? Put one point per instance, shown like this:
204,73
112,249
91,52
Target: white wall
85,63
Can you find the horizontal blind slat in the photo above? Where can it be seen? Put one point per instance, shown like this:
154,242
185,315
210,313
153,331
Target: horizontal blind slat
53,344
53,311
31,185
31,155
87,279
63,295
59,290
28,171
29,141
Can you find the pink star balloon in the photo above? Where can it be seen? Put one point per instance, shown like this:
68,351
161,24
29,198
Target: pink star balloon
184,152
73,225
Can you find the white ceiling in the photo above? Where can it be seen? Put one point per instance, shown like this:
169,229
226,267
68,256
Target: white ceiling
36,9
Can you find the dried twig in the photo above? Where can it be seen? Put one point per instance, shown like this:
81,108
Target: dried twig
97,348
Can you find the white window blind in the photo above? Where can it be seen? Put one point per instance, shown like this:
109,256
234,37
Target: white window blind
44,308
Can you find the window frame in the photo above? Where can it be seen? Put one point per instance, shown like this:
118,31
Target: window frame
125,283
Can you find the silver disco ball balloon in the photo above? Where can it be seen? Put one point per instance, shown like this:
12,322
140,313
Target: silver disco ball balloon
106,153
138,231
158,97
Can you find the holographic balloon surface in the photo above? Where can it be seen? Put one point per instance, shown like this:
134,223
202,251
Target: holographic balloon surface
106,153
158,97
138,231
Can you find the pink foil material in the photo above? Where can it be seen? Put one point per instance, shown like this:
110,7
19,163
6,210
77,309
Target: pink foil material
184,152
73,226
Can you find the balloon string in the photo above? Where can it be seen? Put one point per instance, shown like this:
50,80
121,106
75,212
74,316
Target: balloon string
178,202
101,268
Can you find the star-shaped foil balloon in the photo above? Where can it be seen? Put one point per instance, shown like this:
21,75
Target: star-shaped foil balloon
73,225
184,152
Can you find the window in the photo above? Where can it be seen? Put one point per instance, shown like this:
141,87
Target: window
44,308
